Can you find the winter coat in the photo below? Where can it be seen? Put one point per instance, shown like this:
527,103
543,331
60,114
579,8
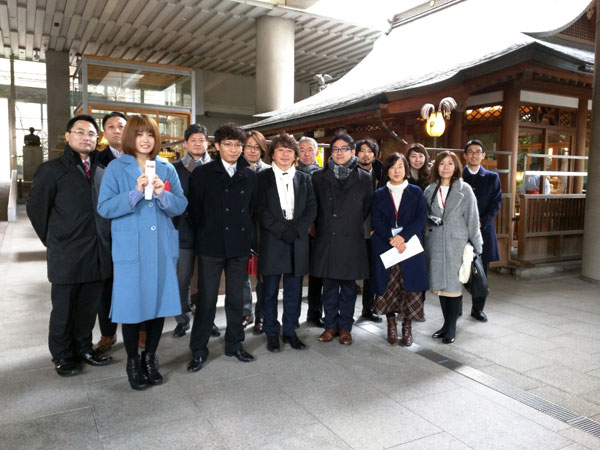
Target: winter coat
486,187
62,210
412,215
145,242
444,244
274,255
340,252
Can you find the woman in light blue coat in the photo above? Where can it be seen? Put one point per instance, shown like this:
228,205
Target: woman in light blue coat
145,244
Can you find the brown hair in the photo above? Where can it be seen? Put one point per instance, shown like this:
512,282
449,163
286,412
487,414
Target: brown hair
283,140
260,140
390,161
435,175
419,148
139,124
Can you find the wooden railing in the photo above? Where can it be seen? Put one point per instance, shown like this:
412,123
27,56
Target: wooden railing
551,227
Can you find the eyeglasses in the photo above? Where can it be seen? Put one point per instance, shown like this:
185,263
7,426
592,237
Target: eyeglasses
252,147
340,149
228,145
81,133
476,152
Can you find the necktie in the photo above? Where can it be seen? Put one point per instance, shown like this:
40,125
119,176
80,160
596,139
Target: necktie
86,166
231,170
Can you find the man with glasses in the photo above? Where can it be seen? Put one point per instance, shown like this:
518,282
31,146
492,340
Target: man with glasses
62,209
343,193
222,196
486,187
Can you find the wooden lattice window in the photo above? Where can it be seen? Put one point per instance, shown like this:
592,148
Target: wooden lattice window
485,114
567,119
526,114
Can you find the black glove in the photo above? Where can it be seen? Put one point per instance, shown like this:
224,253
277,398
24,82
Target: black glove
289,235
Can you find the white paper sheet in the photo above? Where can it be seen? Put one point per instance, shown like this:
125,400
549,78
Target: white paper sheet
391,257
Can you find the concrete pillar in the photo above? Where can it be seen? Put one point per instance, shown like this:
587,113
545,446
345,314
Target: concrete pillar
198,96
12,118
274,63
590,267
580,132
510,134
58,95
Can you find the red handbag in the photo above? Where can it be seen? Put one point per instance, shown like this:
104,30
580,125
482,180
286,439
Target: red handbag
253,264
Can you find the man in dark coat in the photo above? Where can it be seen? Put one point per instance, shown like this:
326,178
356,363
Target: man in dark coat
486,187
343,194
221,197
62,210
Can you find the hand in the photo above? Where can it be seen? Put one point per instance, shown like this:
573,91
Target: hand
289,235
396,241
142,182
158,184
401,247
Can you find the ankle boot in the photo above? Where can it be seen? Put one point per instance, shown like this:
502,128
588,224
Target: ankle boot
444,307
407,333
135,374
150,367
392,331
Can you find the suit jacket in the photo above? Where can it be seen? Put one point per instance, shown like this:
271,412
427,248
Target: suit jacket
274,257
220,208
486,187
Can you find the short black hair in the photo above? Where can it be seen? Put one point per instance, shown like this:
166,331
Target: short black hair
369,142
230,130
390,161
344,137
193,129
111,115
475,142
85,117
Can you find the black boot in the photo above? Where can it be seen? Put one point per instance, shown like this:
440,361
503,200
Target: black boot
460,307
444,306
477,309
135,374
453,308
150,367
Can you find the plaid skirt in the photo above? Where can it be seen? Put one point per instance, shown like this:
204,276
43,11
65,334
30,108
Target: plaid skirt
409,305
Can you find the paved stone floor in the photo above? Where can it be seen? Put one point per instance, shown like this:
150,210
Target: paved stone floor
543,337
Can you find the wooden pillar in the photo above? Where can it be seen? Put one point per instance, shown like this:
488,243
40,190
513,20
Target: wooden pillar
580,133
509,141
456,129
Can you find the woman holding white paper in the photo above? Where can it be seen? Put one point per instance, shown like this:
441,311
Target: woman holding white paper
398,212
145,244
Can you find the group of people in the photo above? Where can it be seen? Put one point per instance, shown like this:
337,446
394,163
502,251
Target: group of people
124,227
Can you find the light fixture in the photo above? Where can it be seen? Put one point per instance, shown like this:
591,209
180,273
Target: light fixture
36,54
436,125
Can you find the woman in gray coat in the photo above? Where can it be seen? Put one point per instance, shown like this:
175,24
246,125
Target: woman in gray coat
452,221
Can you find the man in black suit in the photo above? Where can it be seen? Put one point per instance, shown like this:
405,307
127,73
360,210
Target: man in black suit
62,209
221,197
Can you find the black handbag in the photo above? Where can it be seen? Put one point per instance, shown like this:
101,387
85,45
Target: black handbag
478,282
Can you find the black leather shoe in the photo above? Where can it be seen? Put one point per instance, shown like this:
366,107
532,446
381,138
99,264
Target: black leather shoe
66,367
195,364
439,333
294,342
135,374
478,315
215,331
95,360
446,340
368,315
150,368
180,329
273,343
241,354
315,321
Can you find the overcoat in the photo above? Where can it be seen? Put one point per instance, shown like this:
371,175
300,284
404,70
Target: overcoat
62,210
486,187
145,242
220,208
444,245
412,215
340,252
274,253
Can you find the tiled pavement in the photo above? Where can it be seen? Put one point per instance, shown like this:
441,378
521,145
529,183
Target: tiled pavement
543,337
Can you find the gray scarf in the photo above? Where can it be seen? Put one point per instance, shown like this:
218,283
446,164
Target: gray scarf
307,168
343,171
187,161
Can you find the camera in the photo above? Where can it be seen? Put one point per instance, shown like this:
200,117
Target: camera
434,220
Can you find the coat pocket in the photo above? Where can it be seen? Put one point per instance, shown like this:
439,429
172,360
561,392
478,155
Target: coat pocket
460,234
125,246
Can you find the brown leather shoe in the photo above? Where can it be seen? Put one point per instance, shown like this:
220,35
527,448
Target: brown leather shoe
392,331
247,320
345,337
327,335
407,339
142,340
105,343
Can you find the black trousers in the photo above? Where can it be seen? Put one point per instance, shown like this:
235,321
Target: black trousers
209,277
368,297
74,309
315,303
107,327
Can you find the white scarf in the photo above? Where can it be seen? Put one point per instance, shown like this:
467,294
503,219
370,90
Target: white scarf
285,189
397,190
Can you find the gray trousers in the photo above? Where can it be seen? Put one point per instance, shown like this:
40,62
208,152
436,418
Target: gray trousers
185,270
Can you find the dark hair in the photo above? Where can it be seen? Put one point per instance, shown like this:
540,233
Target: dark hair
84,117
111,115
139,124
260,140
283,140
193,129
475,142
390,161
230,130
435,175
369,142
419,148
344,137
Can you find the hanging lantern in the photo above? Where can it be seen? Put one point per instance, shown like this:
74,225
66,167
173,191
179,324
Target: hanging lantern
435,125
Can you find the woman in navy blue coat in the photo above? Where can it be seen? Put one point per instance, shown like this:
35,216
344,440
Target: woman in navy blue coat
145,244
398,212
